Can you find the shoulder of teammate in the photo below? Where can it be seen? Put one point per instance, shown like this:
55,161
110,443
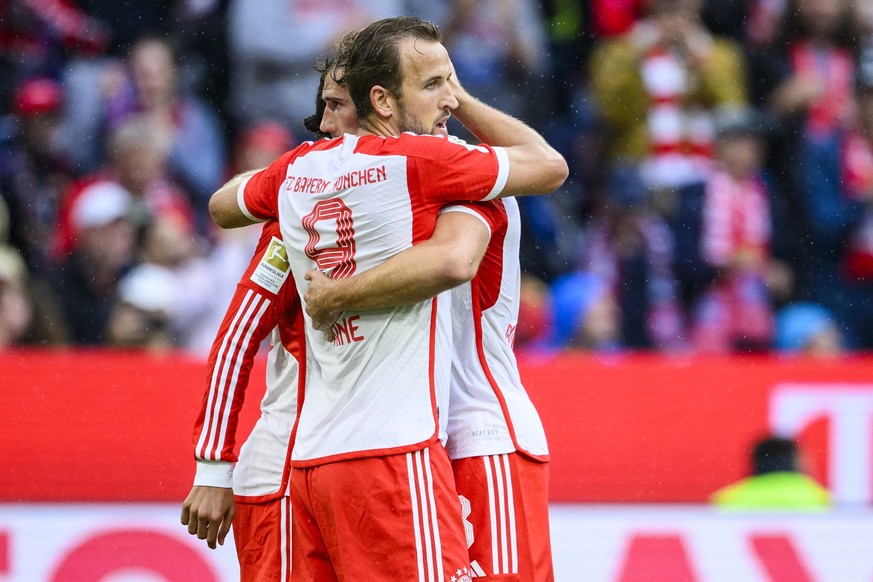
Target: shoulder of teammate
446,169
492,213
258,196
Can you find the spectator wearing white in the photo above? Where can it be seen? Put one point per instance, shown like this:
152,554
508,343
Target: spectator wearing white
86,282
141,317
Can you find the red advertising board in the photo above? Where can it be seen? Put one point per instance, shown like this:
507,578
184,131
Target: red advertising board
656,429
105,426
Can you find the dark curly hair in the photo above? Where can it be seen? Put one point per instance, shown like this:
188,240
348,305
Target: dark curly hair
326,66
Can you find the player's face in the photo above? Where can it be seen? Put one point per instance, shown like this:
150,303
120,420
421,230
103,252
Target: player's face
426,98
339,112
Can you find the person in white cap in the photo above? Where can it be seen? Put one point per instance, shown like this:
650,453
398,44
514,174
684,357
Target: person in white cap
86,282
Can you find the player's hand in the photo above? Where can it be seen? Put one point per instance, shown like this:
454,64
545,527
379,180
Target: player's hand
208,511
320,304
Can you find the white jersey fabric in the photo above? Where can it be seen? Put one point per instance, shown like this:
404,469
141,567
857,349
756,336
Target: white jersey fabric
490,412
345,206
262,466
264,303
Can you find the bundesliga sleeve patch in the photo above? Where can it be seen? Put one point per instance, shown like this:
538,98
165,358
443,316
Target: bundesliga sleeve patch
273,269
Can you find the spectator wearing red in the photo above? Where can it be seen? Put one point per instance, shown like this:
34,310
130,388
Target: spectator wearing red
736,311
34,171
138,166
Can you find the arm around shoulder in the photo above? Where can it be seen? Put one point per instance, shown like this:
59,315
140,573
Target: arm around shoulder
535,167
224,206
451,257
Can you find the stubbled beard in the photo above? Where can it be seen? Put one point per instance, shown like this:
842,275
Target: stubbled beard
407,123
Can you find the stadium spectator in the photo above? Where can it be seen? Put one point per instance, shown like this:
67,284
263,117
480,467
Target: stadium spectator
615,17
778,482
804,79
535,323
271,65
34,172
198,31
807,72
142,314
170,245
858,185
762,22
36,36
187,131
836,202
629,248
807,329
260,144
656,86
585,314
138,165
86,282
499,48
735,312
15,308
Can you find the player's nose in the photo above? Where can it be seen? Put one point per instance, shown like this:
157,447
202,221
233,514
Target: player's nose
328,126
449,99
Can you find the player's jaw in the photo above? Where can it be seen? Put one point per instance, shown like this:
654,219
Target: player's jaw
408,122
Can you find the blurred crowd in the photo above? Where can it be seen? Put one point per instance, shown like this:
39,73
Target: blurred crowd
721,157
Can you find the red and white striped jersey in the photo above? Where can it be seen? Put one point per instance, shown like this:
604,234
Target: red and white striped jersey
264,303
346,205
736,218
490,412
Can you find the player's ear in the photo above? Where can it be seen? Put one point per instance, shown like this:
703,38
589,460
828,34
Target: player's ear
383,101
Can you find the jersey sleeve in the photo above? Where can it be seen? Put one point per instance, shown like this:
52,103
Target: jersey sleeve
258,195
488,212
490,273
447,170
263,295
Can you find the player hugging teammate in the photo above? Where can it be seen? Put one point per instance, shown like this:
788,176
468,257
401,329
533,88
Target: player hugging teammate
410,451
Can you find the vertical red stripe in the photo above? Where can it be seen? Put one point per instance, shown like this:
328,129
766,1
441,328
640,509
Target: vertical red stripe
432,514
656,557
224,390
238,347
422,505
432,363
4,553
287,549
216,389
779,558
480,351
507,511
498,511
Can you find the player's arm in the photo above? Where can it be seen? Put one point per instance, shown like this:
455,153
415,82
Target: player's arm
252,196
224,205
449,258
253,312
535,167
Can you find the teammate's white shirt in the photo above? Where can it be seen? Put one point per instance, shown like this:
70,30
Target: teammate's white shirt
490,412
347,205
263,467
265,302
